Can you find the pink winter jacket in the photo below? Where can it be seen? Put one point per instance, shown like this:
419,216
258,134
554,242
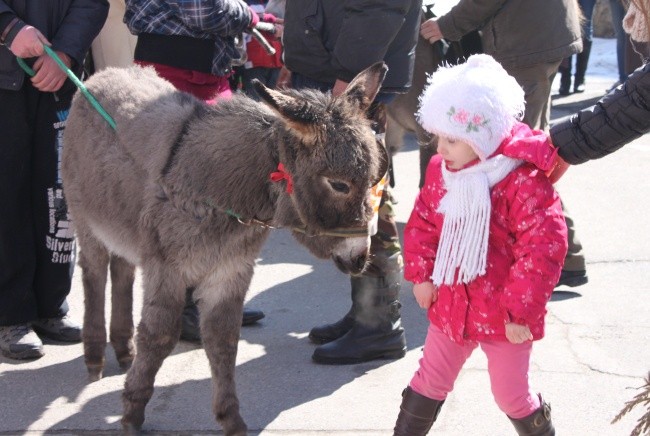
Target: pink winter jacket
526,248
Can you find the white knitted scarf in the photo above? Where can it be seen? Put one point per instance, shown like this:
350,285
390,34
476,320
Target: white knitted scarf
466,208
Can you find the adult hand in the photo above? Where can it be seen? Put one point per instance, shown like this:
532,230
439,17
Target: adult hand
49,77
430,30
279,30
339,87
426,294
559,168
284,79
517,333
28,43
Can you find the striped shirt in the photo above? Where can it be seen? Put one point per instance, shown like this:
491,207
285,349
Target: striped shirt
218,20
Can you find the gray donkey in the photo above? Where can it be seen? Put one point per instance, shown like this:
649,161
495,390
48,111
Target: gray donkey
183,190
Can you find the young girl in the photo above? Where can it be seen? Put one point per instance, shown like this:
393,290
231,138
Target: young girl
484,245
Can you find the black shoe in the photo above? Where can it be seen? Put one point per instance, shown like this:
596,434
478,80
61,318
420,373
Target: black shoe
191,330
61,329
20,342
251,316
572,278
362,344
565,89
579,88
331,332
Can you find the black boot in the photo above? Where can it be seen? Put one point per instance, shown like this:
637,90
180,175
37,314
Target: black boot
191,328
581,66
376,331
330,332
417,414
565,76
536,424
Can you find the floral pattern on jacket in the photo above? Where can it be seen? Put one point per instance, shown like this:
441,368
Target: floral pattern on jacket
526,248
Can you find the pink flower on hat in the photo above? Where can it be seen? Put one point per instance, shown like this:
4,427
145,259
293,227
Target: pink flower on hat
472,123
461,116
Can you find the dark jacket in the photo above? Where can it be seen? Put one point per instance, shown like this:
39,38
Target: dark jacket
327,40
70,25
518,33
618,118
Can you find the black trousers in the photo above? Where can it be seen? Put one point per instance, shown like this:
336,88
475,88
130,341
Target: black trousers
37,247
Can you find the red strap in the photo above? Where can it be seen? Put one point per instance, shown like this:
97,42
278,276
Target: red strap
280,175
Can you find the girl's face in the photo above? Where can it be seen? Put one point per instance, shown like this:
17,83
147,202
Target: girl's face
456,153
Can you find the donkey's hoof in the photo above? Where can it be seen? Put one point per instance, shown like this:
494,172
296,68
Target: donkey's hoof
124,351
133,416
95,373
234,427
131,429
125,364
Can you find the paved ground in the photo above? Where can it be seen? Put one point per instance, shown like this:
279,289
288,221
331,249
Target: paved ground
595,354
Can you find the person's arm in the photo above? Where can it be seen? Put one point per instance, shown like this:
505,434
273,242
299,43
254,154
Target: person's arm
537,224
10,26
223,18
620,117
23,40
466,16
367,30
82,23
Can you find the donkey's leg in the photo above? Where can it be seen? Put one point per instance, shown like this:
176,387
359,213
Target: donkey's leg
121,330
158,332
93,260
220,301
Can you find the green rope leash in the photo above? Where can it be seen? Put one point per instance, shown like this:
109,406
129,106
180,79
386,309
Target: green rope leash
75,80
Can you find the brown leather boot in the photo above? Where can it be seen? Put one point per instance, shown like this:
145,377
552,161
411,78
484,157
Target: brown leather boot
417,414
537,423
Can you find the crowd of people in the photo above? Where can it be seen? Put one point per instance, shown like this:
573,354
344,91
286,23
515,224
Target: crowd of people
483,249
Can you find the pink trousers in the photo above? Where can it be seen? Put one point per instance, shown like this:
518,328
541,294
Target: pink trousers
508,366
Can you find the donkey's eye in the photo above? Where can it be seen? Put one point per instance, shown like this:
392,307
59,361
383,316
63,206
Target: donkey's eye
338,186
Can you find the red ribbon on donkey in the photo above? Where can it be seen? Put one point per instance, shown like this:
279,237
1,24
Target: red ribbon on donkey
280,175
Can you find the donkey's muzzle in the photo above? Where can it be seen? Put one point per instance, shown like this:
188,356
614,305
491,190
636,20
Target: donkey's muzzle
351,255
353,266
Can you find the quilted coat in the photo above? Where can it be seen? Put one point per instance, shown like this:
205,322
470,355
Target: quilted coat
526,247
618,118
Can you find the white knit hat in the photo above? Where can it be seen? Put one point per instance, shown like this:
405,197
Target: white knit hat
476,102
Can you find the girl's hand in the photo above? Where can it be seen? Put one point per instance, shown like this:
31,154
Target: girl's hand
517,333
430,30
426,294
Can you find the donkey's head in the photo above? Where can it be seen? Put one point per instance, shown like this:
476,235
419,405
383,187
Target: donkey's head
334,160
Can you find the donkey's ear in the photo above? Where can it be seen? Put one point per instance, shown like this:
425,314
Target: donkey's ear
296,112
364,87
384,163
